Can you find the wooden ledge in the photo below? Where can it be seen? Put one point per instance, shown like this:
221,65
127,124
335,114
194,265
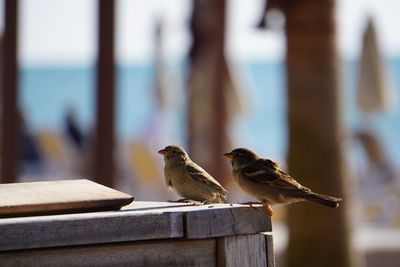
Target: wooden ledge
136,222
58,197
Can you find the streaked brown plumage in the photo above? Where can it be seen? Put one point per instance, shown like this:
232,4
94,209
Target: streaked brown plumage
188,179
263,179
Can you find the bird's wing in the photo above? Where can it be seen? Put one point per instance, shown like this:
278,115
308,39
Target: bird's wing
266,171
168,181
286,179
200,175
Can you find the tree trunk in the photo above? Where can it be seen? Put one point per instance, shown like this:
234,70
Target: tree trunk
319,236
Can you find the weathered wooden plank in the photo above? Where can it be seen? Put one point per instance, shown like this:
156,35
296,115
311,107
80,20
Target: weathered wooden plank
217,222
54,197
156,205
157,253
242,250
269,249
88,228
137,221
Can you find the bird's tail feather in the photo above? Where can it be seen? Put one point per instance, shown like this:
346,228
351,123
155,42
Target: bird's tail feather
328,201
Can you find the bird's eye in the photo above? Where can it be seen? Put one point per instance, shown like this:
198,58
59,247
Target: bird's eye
174,151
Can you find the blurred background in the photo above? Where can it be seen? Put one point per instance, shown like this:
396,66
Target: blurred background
93,89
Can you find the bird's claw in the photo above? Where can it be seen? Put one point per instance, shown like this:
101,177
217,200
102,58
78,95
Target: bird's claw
207,202
251,203
264,203
182,200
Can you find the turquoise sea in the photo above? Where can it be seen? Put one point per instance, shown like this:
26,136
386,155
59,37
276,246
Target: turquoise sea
47,93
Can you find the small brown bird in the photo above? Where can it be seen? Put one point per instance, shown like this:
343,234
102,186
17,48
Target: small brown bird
188,179
263,179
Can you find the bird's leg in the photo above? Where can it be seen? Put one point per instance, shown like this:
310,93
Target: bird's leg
266,205
182,200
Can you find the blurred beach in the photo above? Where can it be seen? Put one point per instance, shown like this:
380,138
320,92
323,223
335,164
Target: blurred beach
93,89
49,93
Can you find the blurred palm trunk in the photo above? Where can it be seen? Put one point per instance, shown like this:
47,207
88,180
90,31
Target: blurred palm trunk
318,236
207,107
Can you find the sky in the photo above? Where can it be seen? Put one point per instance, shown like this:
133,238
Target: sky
63,32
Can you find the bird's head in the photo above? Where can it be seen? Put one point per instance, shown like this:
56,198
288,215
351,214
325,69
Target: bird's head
241,157
174,154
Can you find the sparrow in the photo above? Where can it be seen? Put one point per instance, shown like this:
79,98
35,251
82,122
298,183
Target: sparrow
263,179
188,179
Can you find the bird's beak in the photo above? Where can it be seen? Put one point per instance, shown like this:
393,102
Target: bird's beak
162,151
228,155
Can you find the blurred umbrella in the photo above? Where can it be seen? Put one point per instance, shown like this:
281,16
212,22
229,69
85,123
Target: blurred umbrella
143,164
372,146
30,151
269,5
141,160
377,156
373,94
236,103
72,130
159,66
52,146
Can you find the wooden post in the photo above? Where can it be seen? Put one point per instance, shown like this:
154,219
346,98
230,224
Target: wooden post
9,107
207,107
104,139
319,236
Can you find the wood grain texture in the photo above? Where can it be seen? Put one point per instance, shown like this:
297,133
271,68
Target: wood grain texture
269,249
137,221
236,220
54,197
242,250
157,253
87,228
